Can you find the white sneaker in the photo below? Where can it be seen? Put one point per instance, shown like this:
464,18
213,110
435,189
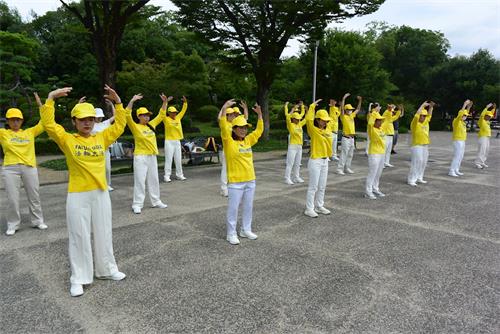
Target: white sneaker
160,205
452,174
299,180
388,165
289,182
136,210
413,184
76,290
118,276
421,181
459,173
350,171
311,213
370,196
335,158
110,188
248,234
379,193
181,178
11,231
485,166
323,210
167,179
223,192
479,166
41,226
233,239
340,172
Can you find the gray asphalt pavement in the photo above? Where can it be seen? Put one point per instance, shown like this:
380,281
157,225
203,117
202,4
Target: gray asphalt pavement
421,260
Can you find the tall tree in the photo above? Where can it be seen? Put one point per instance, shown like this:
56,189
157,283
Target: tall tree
259,30
105,21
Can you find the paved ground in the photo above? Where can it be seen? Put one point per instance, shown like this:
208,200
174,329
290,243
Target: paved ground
421,260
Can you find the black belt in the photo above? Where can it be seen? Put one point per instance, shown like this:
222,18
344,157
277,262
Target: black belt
348,136
390,135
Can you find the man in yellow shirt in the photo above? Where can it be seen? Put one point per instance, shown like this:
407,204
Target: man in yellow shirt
391,115
334,124
420,143
347,116
484,135
376,153
173,136
19,165
459,137
294,124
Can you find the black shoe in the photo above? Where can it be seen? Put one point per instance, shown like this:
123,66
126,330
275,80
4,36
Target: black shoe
393,152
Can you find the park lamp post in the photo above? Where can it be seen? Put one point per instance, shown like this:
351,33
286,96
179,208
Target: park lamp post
314,70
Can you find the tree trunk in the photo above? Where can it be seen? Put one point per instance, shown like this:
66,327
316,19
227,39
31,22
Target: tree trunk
263,101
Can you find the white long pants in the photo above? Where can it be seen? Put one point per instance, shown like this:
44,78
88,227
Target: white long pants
347,152
87,212
108,167
375,168
13,175
173,152
458,155
482,150
146,172
334,144
388,148
223,171
318,174
240,193
419,156
367,143
293,158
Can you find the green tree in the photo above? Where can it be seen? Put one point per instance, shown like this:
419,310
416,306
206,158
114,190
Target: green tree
10,20
259,30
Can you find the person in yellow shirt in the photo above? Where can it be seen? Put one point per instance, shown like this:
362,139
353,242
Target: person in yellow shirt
347,116
334,124
294,124
88,206
19,165
240,171
391,115
484,135
231,113
459,137
420,143
372,109
145,152
173,136
320,134
376,154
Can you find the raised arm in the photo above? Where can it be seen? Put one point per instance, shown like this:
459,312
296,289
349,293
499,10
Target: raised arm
47,116
402,109
163,111
222,112
112,133
184,108
134,98
358,108
287,115
302,109
342,103
244,106
255,135
112,107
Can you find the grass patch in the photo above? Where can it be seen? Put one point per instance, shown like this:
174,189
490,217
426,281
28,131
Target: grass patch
270,145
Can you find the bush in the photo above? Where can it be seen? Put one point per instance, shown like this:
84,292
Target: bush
206,113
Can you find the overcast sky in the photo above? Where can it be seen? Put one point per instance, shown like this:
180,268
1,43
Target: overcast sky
468,24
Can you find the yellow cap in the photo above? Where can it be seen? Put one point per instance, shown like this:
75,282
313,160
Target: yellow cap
83,110
240,121
296,115
14,113
172,109
465,113
323,114
231,111
142,111
489,113
236,110
348,107
424,112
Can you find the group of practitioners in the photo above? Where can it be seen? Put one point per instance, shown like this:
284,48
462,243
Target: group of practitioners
88,205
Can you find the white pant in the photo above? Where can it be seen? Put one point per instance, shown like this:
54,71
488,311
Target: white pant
87,212
458,155
388,148
347,146
293,158
375,167
419,156
12,177
240,193
334,144
223,171
367,143
173,152
108,167
146,171
482,150
318,174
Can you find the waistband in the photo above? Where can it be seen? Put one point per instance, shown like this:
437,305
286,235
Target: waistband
348,136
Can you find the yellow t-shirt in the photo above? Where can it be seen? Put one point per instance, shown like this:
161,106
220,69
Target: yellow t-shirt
484,125
420,131
459,127
295,130
239,157
144,136
321,139
389,119
85,157
377,140
348,126
19,147
173,127
334,115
